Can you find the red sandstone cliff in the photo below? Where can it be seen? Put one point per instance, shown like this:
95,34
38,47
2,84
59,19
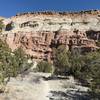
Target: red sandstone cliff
38,33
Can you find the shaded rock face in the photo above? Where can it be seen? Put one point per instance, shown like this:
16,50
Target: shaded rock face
38,33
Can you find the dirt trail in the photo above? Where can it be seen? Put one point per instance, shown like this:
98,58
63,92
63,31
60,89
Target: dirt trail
34,87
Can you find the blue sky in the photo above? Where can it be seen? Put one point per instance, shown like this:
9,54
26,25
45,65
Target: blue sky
12,7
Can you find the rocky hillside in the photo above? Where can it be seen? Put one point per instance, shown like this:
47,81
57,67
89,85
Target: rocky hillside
39,32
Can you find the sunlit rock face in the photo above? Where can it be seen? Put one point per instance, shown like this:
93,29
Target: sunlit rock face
39,32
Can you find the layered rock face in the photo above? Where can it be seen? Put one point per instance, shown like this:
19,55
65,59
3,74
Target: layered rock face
38,33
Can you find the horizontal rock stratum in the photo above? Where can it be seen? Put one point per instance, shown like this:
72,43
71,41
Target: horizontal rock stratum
38,32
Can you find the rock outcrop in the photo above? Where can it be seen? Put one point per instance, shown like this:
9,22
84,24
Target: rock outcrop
37,33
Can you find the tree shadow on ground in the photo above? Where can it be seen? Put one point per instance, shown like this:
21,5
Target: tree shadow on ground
55,78
69,95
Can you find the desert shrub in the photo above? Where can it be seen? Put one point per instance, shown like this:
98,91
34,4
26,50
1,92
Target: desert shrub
88,70
11,63
76,64
19,62
44,66
1,25
61,60
92,71
4,59
85,67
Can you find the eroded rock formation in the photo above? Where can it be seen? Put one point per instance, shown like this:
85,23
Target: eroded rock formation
39,32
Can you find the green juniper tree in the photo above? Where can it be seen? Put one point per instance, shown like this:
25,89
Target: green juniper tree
61,60
44,66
